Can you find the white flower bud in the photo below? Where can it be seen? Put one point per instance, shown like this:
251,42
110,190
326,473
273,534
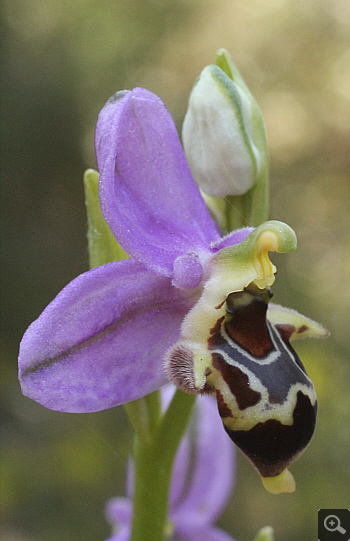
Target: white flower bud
219,134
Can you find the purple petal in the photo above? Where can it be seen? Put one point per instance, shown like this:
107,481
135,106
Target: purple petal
212,478
235,237
119,511
123,534
195,530
130,479
188,271
181,472
182,460
148,196
102,340
167,395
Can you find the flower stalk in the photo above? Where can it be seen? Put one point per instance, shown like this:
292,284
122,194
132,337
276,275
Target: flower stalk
153,460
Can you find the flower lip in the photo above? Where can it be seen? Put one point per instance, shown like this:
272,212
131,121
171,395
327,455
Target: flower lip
227,347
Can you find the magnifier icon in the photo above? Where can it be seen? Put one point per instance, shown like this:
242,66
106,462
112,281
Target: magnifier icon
332,524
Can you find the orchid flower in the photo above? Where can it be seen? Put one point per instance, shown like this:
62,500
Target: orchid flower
202,482
188,306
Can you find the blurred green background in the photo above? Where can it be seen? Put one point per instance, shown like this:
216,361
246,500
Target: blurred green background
62,59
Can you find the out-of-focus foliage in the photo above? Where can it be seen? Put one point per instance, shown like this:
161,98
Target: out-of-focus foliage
61,62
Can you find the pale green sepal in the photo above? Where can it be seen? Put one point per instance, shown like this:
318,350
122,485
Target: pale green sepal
304,327
103,248
224,61
265,534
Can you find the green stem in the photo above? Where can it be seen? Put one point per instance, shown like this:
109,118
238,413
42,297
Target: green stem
144,414
154,408
251,208
153,461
